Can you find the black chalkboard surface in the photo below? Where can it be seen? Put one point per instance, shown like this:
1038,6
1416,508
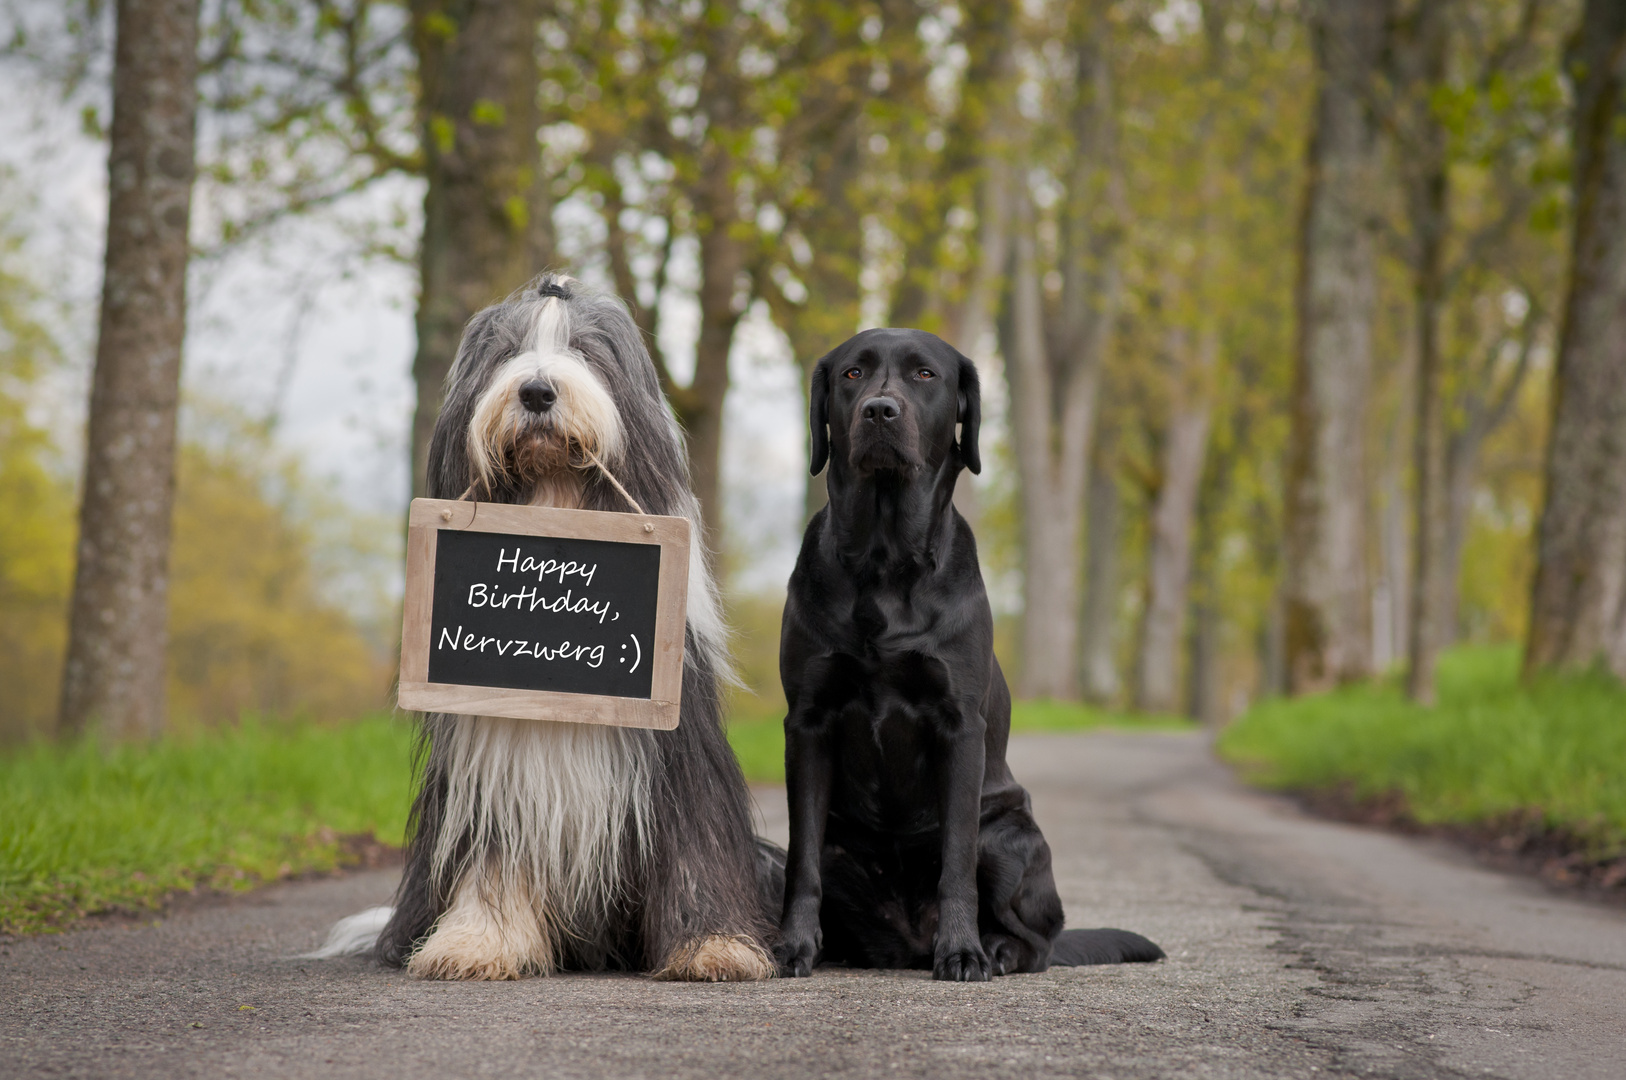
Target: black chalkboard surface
544,614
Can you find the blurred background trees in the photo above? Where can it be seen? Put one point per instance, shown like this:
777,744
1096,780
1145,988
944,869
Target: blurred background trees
1277,302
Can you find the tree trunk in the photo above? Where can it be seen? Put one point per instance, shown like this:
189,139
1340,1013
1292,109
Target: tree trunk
1420,62
1103,512
1617,656
1428,592
722,262
114,675
1206,684
1205,687
1051,431
1578,603
1461,471
487,212
1168,570
1326,608
1394,549
1273,649
1054,366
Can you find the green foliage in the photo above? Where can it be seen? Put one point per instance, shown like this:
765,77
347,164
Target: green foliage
83,831
1493,746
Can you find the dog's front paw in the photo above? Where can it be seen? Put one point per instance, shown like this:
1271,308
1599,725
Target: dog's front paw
718,958
796,955
491,931
967,963
458,956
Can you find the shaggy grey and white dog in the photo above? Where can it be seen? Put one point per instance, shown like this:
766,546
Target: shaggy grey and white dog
538,847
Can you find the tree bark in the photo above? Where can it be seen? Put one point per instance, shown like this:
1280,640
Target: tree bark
1054,370
1419,59
722,262
1428,615
1460,473
1324,585
488,224
114,676
1206,684
1394,550
1051,431
1578,602
1273,649
1204,703
1174,512
1103,514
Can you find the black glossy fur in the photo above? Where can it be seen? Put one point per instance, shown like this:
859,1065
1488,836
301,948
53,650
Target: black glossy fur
911,843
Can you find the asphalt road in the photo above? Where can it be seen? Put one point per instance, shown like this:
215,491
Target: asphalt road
1297,948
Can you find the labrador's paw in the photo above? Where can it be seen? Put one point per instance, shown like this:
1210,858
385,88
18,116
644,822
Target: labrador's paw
796,954
967,963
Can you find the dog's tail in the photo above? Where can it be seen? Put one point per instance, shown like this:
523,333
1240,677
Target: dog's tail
352,936
1078,948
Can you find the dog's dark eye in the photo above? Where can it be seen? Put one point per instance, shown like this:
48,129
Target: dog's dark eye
854,373
925,373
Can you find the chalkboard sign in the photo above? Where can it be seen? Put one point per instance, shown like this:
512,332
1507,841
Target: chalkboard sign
544,614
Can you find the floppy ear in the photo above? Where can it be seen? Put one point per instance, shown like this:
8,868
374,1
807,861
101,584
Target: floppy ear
970,414
818,416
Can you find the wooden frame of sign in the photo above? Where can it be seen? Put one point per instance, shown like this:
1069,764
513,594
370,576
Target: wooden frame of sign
553,588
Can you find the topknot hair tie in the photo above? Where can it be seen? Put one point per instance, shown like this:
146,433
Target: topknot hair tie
553,288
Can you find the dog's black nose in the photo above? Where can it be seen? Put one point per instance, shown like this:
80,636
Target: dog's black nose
879,409
537,396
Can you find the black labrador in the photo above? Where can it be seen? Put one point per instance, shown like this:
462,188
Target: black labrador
911,845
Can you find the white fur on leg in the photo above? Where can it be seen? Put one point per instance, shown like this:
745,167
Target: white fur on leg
352,936
491,931
718,958
551,807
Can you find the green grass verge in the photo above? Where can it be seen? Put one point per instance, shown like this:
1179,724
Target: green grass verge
759,740
84,832
1493,748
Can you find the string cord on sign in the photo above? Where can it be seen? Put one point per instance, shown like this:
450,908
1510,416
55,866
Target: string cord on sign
603,468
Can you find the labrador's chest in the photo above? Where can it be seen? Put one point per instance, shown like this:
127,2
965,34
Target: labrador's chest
888,722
